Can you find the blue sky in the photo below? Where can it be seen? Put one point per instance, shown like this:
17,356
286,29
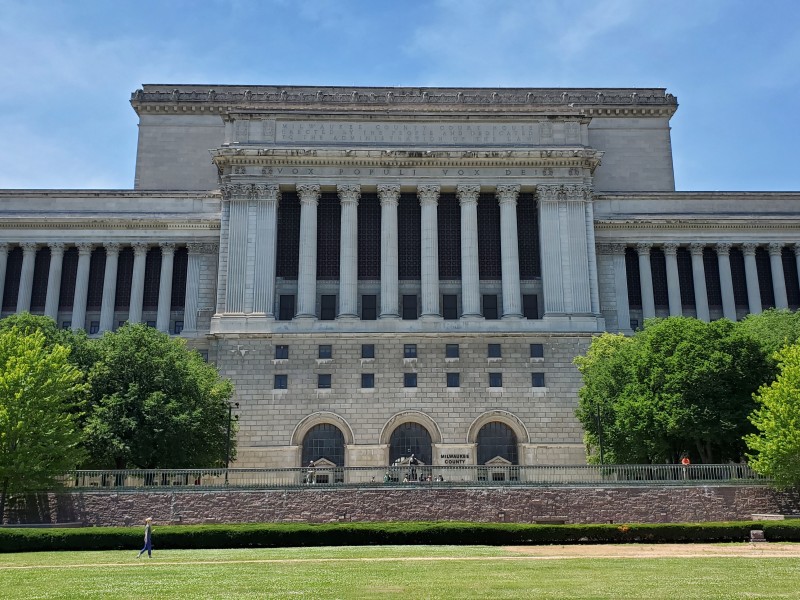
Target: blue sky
69,68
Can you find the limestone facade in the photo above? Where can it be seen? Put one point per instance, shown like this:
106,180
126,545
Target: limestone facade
384,271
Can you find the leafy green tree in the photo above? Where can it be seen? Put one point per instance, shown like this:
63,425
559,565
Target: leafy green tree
155,404
680,386
776,446
39,436
773,329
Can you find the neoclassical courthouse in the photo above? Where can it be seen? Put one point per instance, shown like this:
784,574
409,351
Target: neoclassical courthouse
384,271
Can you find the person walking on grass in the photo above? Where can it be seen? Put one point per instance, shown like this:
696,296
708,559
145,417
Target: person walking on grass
148,538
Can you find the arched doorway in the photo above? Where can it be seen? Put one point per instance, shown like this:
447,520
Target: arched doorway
496,439
324,441
410,438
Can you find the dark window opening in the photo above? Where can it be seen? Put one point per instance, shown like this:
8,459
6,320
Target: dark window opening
281,382
453,380
450,306
495,351
368,380
324,381
495,380
367,350
451,350
369,307
327,307
286,307
449,226
410,380
369,237
410,312
409,240
281,351
530,306
494,440
408,439
490,306
288,255
409,351
324,441
537,350
325,351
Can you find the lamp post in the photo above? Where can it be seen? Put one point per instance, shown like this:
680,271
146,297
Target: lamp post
231,406
600,433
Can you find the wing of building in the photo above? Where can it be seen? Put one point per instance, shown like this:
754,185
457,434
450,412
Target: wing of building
388,271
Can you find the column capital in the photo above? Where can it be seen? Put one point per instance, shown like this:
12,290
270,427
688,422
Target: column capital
605,248
749,249
775,248
349,193
111,247
389,194
564,193
643,248
267,192
167,247
85,248
202,248
309,193
428,194
28,247
696,248
670,248
3,246
56,247
507,193
237,191
468,193
140,248
723,248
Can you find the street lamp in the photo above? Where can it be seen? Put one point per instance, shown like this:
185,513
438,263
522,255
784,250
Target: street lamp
231,406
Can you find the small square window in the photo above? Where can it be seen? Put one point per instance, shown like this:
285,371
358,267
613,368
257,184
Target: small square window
94,327
453,380
367,350
203,354
451,351
68,324
324,381
537,380
409,351
281,382
495,351
325,351
151,323
281,352
367,380
410,380
537,350
369,307
495,380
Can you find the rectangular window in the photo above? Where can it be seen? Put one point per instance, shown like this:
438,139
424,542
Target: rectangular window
495,351
367,350
489,306
409,307
495,380
451,351
281,382
327,307
94,327
530,306
409,351
203,354
537,380
369,307
286,307
450,306
281,352
410,380
453,380
178,327
367,380
324,381
325,351
151,323
537,350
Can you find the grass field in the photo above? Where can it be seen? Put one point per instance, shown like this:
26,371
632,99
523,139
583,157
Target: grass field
456,572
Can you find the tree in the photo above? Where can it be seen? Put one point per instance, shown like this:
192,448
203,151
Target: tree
39,436
155,404
680,386
776,446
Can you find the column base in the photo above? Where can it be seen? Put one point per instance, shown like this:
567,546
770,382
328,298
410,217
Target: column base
472,317
305,318
512,317
347,317
430,318
389,317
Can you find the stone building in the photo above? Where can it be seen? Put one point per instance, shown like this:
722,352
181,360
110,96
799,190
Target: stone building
387,271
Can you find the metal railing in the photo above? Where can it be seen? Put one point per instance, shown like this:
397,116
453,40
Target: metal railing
423,475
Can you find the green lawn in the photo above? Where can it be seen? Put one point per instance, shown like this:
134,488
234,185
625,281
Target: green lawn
456,572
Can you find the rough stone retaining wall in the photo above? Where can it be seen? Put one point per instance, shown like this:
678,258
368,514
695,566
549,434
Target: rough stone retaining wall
522,505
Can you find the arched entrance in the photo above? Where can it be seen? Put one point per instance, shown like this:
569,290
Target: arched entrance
496,439
324,441
410,438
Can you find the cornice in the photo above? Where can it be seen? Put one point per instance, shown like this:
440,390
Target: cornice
95,224
585,101
718,223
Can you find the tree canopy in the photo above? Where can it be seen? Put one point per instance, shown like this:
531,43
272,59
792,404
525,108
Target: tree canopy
39,434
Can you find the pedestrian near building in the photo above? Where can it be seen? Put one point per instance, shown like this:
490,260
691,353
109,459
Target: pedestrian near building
148,538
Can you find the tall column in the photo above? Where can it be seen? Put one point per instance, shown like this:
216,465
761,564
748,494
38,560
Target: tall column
348,251
165,286
673,281
429,200
778,281
751,276
54,280
726,280
266,250
137,283
237,197
470,277
699,281
81,287
646,280
594,286
389,195
26,277
307,269
621,286
3,268
109,287
509,250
